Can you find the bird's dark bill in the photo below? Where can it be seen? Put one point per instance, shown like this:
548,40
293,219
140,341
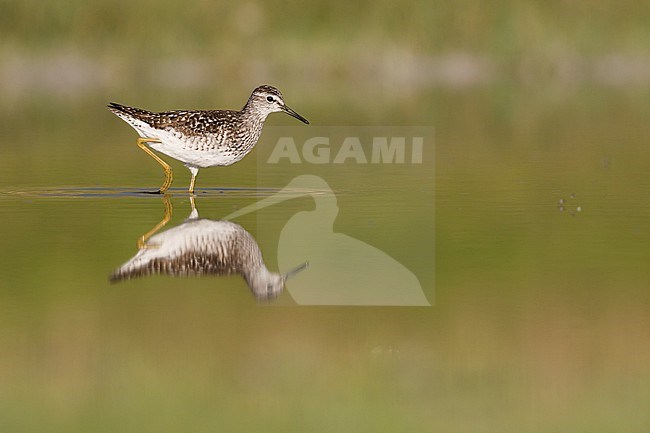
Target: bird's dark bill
295,270
292,113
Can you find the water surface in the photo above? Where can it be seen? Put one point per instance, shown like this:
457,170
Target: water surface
538,208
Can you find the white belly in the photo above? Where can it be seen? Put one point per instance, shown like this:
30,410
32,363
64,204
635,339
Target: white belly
196,157
192,151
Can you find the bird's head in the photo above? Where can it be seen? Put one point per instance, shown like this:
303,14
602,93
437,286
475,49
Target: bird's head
268,285
267,99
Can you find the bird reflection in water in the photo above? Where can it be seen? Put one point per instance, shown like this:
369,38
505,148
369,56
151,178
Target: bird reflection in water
202,247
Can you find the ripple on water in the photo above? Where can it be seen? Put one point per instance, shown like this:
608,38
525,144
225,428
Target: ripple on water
99,192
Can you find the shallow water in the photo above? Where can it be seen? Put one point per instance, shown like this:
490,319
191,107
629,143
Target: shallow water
526,229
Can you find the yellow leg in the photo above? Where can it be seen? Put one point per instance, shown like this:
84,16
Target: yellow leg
194,171
191,190
194,214
142,242
169,176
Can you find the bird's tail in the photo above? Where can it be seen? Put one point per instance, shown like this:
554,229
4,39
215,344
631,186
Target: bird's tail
124,110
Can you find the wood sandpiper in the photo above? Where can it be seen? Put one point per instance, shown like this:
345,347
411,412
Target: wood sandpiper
203,138
202,247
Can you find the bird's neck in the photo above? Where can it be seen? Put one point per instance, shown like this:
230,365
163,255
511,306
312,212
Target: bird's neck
253,114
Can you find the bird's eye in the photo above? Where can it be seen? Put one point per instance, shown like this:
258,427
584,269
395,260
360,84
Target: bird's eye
270,98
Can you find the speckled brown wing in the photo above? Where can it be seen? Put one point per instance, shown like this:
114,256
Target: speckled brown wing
190,123
200,122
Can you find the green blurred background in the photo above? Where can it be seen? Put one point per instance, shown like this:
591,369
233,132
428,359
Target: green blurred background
541,317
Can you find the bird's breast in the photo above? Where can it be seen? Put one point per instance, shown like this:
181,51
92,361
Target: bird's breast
206,150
